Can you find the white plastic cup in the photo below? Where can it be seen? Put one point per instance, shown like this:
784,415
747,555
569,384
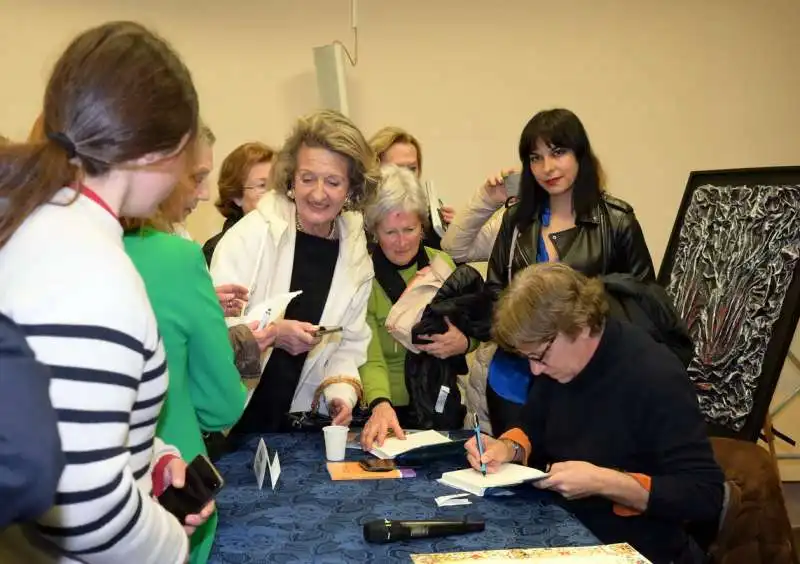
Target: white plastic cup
335,442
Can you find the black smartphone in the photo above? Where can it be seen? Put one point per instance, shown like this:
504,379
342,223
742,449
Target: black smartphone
377,465
203,482
327,331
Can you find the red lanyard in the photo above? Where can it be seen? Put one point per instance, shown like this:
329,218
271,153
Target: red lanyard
92,195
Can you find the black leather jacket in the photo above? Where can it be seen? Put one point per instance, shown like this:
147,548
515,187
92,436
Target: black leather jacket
607,240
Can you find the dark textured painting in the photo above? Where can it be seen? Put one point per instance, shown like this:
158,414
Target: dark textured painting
732,265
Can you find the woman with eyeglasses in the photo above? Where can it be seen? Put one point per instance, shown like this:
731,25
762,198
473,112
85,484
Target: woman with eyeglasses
564,215
307,235
242,182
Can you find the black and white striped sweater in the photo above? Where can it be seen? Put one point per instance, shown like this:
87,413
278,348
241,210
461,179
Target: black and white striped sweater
65,278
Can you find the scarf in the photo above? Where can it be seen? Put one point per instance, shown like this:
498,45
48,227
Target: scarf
388,274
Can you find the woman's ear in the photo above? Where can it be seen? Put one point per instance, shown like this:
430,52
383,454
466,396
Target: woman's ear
238,201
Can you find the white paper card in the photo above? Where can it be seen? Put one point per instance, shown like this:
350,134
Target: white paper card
260,463
274,470
451,500
270,309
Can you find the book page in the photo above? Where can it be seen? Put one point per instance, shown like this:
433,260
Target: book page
508,475
393,446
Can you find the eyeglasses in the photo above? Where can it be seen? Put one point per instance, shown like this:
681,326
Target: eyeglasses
540,357
260,189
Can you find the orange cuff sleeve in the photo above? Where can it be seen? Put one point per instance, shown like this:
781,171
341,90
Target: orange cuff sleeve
518,436
646,482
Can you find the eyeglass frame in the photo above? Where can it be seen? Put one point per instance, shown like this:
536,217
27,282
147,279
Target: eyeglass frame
540,357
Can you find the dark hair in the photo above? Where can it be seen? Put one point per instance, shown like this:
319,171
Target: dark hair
557,128
119,92
233,174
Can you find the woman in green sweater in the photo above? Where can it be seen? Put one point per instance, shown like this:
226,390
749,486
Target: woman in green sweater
397,220
205,391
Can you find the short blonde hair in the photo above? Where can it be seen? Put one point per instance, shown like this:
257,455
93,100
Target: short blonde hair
385,138
544,300
329,129
399,190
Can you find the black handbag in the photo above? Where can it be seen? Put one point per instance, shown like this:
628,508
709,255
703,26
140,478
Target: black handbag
315,421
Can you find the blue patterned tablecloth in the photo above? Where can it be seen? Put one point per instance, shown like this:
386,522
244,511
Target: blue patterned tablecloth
309,518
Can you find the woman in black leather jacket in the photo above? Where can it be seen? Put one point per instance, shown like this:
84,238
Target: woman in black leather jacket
563,215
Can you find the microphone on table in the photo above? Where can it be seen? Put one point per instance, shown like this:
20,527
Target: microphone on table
383,531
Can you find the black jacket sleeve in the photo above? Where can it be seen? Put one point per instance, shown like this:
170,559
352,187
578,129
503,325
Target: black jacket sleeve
497,271
631,252
31,460
688,485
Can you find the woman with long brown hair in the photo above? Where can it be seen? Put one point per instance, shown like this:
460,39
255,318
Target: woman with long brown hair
119,110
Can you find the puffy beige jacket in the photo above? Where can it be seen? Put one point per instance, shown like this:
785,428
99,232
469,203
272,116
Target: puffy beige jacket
471,236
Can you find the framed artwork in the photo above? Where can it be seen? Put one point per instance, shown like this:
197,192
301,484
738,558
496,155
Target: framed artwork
732,268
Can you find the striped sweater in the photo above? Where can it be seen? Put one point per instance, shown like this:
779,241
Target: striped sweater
66,280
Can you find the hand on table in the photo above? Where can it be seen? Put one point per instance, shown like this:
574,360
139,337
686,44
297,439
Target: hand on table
340,412
232,298
295,337
447,344
495,453
264,337
175,476
381,421
573,479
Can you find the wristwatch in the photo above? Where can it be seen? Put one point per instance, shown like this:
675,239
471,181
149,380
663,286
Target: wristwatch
517,448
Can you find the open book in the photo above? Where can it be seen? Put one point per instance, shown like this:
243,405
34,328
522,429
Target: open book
393,446
472,481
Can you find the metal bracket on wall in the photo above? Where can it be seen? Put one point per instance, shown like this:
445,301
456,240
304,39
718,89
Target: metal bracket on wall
782,405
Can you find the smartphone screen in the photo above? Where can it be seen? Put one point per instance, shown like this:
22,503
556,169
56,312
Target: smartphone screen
203,482
377,465
512,184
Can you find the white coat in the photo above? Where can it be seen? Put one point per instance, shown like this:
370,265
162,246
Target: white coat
258,253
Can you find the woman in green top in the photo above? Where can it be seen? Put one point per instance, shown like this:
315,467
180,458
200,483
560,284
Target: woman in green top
397,220
205,391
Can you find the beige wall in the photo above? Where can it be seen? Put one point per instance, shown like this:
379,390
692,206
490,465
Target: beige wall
663,87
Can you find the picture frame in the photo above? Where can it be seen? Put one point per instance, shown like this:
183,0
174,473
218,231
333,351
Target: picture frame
732,267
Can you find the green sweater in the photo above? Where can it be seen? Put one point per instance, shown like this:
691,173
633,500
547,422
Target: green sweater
383,375
205,391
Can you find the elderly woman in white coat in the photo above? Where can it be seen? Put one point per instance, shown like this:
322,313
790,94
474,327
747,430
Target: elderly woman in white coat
307,235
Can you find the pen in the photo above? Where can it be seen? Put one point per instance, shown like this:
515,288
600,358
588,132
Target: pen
480,443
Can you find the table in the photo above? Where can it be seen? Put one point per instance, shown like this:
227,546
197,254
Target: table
309,518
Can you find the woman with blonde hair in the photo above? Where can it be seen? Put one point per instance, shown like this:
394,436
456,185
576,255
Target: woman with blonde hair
307,235
394,145
242,182
205,391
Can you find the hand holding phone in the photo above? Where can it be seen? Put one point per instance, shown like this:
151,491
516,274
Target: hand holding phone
327,331
201,484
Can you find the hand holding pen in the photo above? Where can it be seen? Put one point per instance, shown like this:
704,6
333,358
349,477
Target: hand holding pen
486,454
479,442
